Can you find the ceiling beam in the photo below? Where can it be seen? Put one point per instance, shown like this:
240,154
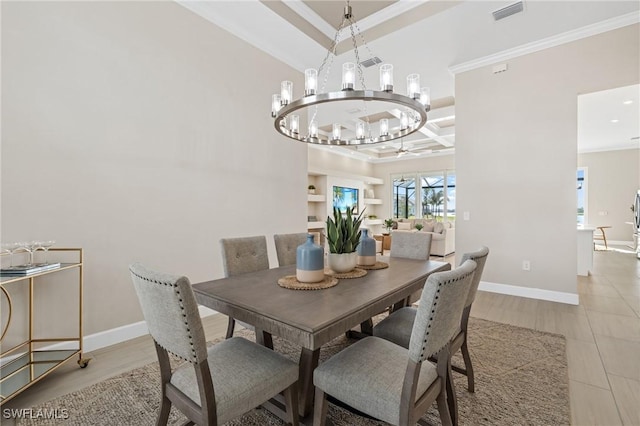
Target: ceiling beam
426,131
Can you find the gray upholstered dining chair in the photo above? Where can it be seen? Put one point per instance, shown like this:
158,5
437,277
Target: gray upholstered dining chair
397,326
410,245
241,256
395,384
216,384
286,246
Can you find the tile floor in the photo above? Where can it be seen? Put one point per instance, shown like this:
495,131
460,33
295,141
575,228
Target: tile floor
602,332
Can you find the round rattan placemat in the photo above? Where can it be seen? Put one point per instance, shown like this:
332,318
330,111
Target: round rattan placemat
377,265
290,282
354,273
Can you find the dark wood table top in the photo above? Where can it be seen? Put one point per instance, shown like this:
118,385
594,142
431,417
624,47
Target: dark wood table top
312,318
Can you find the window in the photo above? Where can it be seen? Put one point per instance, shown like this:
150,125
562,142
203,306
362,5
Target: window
581,189
439,196
404,197
434,198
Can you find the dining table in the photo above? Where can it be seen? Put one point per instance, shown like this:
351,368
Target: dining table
312,318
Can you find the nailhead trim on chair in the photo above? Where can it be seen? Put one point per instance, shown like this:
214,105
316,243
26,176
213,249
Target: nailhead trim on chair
433,310
184,315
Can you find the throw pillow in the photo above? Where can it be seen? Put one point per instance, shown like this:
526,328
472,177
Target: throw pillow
404,226
428,226
438,228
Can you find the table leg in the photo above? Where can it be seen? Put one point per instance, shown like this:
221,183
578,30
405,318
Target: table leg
366,329
308,362
263,338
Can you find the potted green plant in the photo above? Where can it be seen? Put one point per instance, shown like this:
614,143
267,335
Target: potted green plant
388,224
343,237
419,226
312,189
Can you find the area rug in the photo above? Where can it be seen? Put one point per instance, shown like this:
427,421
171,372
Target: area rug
521,379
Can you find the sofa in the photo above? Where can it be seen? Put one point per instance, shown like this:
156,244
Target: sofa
443,234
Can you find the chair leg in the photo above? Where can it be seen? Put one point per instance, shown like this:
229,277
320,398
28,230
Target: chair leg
291,401
165,378
320,409
452,402
443,408
468,366
165,408
231,325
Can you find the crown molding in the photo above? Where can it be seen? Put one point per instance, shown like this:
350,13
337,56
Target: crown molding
609,149
536,46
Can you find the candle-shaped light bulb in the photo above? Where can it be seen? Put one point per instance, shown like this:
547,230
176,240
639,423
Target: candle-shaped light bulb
404,121
348,76
413,86
386,78
337,132
425,97
360,130
286,92
275,105
295,124
313,129
310,81
384,127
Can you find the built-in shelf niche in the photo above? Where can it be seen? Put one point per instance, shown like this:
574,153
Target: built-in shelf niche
372,200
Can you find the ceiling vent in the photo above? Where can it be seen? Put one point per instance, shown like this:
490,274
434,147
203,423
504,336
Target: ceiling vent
371,62
512,9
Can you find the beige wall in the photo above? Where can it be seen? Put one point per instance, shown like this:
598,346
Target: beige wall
140,132
516,155
322,159
612,182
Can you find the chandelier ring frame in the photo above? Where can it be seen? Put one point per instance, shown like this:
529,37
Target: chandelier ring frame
351,95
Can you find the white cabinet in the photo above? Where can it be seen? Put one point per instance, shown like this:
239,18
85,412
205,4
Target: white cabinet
585,250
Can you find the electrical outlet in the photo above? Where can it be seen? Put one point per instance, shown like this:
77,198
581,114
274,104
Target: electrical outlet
526,265
465,215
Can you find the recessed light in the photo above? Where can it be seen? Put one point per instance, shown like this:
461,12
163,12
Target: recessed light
615,120
627,102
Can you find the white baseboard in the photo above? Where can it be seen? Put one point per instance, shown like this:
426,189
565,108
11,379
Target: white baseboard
116,335
530,293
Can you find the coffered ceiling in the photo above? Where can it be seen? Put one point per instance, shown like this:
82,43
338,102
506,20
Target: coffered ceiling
436,39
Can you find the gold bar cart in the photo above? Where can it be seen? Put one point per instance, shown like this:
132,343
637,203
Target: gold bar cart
23,364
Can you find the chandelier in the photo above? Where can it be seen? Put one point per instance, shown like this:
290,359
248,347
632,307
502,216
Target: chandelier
403,114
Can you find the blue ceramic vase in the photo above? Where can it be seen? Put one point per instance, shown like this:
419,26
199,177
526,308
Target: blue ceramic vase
309,262
366,249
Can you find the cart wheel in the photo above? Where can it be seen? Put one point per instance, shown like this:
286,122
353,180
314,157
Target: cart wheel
83,362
